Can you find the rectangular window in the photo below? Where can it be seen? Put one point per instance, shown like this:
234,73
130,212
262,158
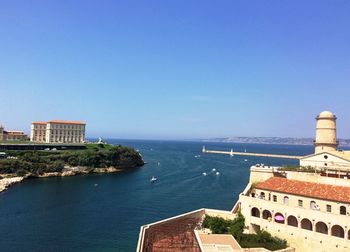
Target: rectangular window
300,203
274,198
329,208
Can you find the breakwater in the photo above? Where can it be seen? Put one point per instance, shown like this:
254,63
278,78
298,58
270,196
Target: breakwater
232,153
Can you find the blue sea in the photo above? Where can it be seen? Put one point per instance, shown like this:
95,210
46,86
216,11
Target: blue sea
105,212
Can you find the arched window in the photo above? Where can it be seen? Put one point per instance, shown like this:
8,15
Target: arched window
292,221
255,212
337,231
313,205
306,224
321,227
286,200
342,210
266,214
279,218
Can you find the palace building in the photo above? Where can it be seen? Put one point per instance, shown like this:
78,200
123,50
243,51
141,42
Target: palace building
58,131
12,135
308,206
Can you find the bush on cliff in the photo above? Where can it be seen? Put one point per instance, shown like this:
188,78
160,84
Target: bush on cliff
39,162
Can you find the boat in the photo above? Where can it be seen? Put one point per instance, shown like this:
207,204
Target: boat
213,169
245,160
217,173
204,174
153,179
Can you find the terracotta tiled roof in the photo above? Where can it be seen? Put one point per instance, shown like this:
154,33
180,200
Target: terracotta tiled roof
15,132
66,122
307,189
59,121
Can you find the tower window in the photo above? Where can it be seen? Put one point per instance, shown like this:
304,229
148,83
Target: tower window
325,156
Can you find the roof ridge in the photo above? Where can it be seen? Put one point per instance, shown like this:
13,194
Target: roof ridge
308,189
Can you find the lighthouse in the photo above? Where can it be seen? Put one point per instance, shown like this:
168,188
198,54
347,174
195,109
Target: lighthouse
326,132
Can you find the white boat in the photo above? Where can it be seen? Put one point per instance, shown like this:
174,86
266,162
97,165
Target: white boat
213,169
153,179
245,160
217,173
204,174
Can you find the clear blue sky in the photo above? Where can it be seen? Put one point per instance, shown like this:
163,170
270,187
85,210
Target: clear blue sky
176,69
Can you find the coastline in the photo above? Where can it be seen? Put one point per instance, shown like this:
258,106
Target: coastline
5,183
8,181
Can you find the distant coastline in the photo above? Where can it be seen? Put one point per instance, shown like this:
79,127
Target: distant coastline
271,140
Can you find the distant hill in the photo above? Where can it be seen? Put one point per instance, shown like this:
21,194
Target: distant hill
271,140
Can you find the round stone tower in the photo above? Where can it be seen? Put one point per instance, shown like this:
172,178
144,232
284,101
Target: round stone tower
326,132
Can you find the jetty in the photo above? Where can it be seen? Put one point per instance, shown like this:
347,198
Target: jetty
232,153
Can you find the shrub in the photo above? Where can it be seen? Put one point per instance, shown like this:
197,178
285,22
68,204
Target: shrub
39,162
236,226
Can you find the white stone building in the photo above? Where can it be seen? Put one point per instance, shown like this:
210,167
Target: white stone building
58,131
12,135
310,208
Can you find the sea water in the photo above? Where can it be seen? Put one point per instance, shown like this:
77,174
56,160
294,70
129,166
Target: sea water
104,212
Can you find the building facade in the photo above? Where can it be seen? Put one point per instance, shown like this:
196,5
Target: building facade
310,208
58,131
12,135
